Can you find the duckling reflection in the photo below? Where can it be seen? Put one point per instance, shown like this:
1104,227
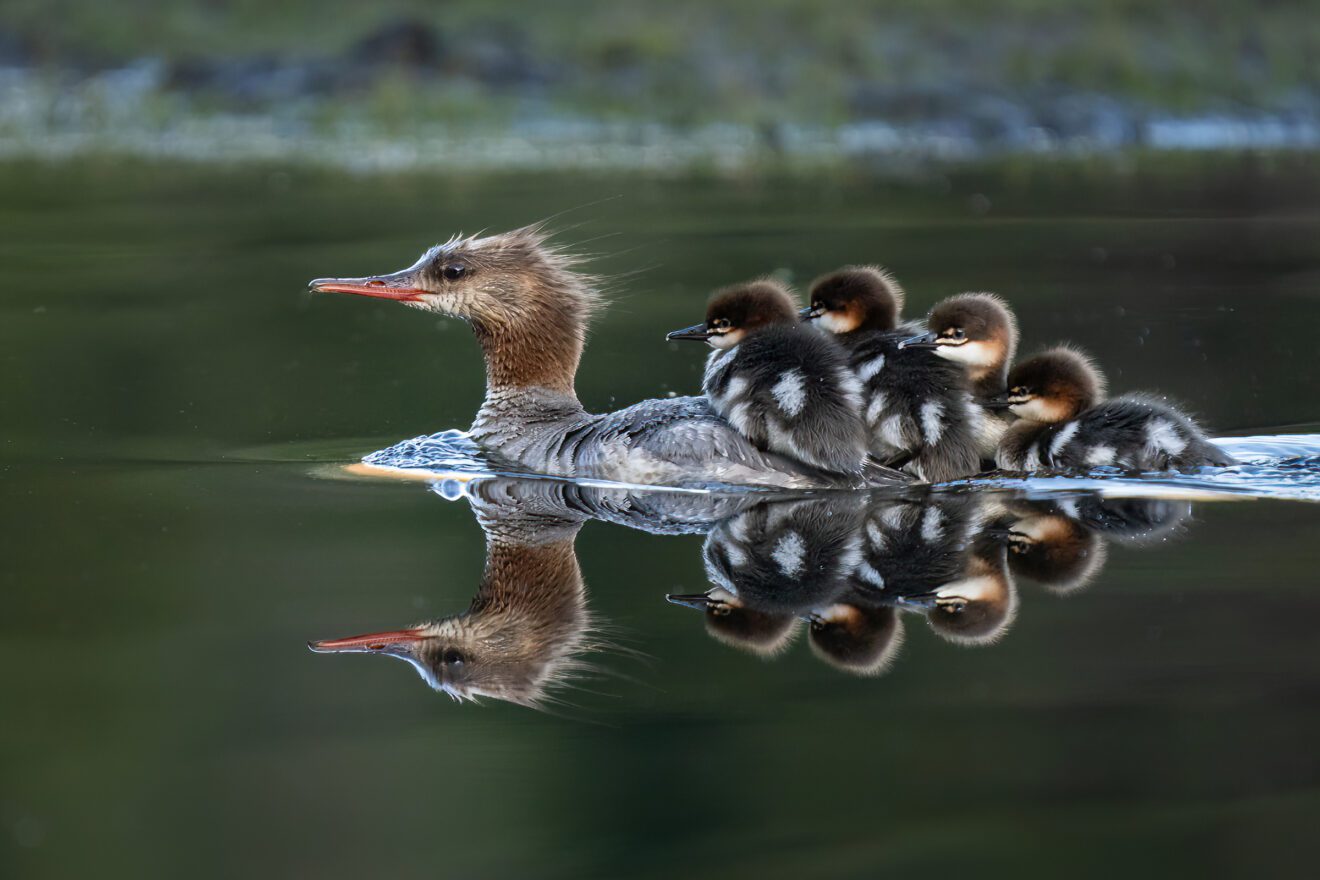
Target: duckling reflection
952,558
527,627
848,569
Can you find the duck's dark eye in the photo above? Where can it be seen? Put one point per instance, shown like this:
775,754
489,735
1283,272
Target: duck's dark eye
452,657
454,271
958,333
720,610
818,306
721,324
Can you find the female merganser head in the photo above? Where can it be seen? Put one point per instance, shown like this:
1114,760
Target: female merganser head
729,620
977,330
855,299
1054,386
859,637
1067,425
783,386
528,307
734,312
525,300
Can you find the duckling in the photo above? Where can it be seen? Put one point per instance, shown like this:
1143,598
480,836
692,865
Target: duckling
1066,424
918,408
1049,544
754,630
782,385
856,635
978,331
979,607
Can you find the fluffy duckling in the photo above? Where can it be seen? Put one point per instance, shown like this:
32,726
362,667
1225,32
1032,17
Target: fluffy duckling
978,331
731,621
856,635
1049,544
918,409
782,385
1066,424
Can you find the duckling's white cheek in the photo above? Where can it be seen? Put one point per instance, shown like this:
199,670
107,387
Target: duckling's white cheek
836,322
839,614
972,589
726,340
1035,410
974,354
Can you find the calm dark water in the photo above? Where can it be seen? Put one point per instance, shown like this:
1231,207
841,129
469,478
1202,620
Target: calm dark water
176,410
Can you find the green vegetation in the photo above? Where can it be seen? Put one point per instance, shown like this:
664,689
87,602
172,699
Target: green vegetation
690,61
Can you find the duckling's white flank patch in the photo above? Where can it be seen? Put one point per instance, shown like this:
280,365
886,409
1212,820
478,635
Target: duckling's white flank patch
892,432
790,554
932,525
878,404
738,417
1162,435
1066,433
868,574
877,539
737,388
851,388
737,556
869,370
791,392
932,426
1100,455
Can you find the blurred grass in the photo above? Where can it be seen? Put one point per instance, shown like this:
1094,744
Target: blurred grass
741,61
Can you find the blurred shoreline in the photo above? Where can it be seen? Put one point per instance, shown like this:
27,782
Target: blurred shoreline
883,91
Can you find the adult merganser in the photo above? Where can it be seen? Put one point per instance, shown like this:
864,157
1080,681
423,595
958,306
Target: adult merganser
529,309
783,385
1066,424
977,330
918,408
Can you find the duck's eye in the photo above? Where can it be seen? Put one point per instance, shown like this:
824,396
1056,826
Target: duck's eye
454,271
1020,391
818,306
721,324
720,610
453,657
957,333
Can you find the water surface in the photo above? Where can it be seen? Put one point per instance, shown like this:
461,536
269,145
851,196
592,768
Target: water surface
176,410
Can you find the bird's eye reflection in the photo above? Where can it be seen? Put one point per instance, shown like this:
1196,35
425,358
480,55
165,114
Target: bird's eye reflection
453,271
852,567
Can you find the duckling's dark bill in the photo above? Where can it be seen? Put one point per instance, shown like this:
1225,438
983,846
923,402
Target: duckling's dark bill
925,340
696,332
387,642
382,287
699,601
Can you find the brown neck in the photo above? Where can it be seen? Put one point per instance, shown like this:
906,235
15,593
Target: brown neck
535,343
541,582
